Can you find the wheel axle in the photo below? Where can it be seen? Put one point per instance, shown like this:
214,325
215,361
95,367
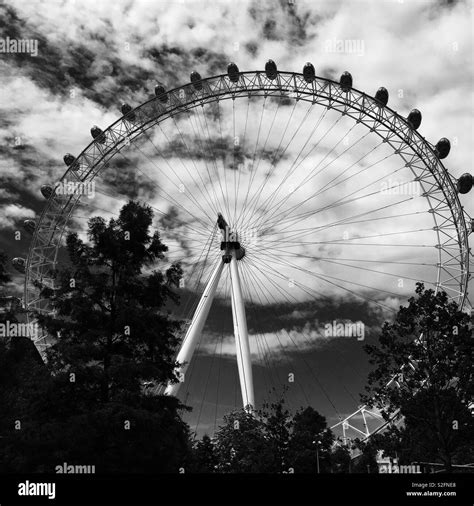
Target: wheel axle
229,241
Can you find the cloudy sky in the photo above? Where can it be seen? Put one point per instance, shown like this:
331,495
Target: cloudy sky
300,183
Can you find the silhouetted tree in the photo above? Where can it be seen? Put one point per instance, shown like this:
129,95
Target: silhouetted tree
310,443
340,459
428,348
112,335
22,376
272,440
366,461
277,423
240,444
204,456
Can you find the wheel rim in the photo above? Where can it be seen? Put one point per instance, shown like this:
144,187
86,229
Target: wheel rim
453,253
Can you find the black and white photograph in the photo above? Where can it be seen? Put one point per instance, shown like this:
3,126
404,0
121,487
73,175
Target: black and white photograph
236,251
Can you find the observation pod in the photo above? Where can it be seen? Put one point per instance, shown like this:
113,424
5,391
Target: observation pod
382,96
233,72
465,183
196,80
127,111
97,134
309,74
160,92
46,191
69,159
29,226
19,264
346,81
442,148
414,119
271,70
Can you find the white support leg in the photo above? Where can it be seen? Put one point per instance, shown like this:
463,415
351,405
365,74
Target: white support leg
244,362
234,319
195,329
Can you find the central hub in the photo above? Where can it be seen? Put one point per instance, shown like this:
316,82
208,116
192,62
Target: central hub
230,241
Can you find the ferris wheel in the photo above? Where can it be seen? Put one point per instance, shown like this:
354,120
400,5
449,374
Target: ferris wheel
295,204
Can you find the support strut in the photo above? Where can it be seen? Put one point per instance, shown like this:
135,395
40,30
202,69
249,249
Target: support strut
244,362
195,329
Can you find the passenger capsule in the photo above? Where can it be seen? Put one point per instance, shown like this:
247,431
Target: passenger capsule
127,111
271,69
465,183
69,159
97,134
309,73
442,148
196,80
382,96
160,92
346,81
414,118
233,72
19,264
46,191
29,226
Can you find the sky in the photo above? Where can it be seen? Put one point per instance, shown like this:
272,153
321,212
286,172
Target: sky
308,262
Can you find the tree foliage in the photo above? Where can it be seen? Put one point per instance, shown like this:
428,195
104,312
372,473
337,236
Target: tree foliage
423,371
113,334
270,440
87,405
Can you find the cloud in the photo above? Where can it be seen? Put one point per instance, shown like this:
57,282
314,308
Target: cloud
283,342
12,213
94,57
